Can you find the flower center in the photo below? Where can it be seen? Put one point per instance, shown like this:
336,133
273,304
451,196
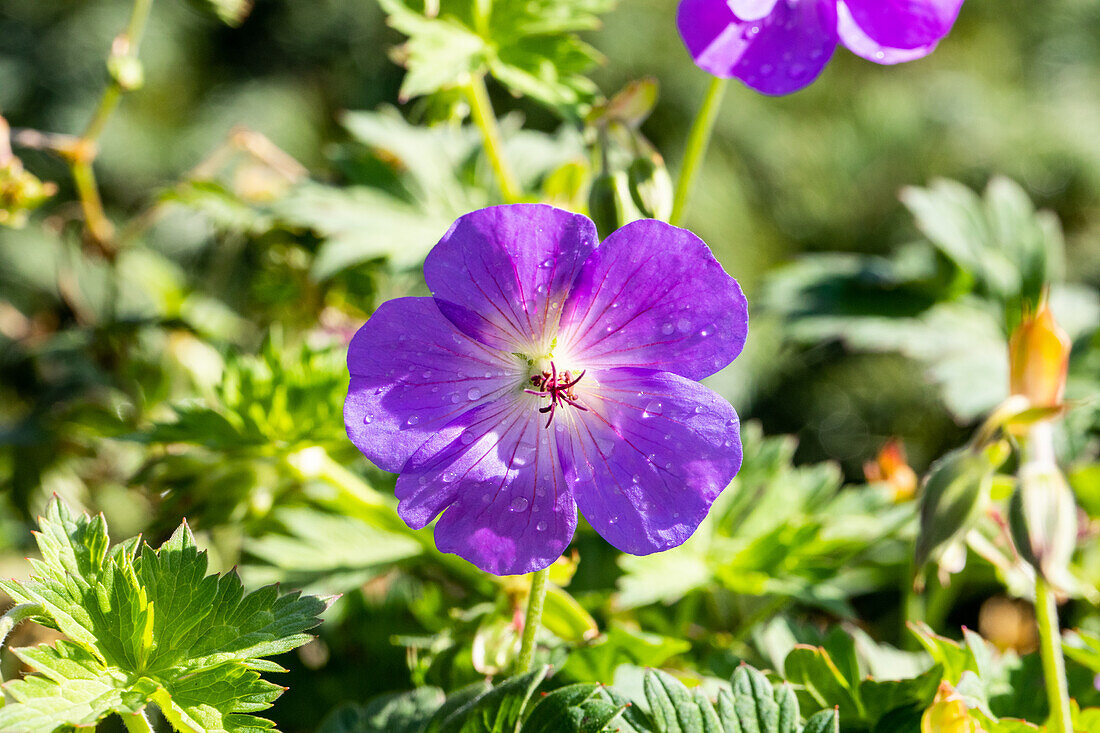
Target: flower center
558,387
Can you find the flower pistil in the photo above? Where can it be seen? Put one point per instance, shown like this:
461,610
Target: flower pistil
558,387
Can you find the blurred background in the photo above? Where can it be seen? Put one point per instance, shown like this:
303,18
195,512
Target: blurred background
270,169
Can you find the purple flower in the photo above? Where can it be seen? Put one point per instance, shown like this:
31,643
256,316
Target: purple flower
551,372
780,46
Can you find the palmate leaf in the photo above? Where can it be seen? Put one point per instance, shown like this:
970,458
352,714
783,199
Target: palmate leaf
530,46
146,625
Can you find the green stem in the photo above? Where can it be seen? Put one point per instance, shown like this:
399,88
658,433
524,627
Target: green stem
532,620
137,723
481,108
698,141
99,226
125,45
1054,665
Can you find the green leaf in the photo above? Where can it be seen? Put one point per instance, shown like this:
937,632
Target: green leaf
147,627
530,46
498,710
399,713
573,709
598,661
827,721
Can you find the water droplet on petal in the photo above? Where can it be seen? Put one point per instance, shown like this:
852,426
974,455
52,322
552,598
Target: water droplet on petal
699,409
474,393
427,373
486,498
413,420
731,422
684,325
616,304
667,329
541,526
367,419
707,330
549,262
541,288
636,478
448,477
612,520
653,408
467,437
518,504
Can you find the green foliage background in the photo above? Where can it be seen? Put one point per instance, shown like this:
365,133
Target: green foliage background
133,414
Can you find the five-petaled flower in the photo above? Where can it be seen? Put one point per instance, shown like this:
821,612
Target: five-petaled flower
548,372
780,46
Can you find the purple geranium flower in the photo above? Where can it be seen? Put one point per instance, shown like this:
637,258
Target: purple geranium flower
550,372
780,46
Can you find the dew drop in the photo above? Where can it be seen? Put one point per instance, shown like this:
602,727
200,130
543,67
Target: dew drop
518,504
541,288
684,325
612,520
541,526
616,304
699,409
367,419
547,263
467,437
653,408
707,330
676,515
636,479
667,329
485,498
413,420
880,55
448,477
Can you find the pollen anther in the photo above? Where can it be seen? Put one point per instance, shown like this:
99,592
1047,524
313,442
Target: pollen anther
558,387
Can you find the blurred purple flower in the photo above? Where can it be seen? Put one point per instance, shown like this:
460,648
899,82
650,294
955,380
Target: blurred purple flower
550,372
780,46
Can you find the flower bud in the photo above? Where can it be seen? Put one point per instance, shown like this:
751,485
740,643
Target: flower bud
955,494
651,187
892,468
1039,358
609,204
948,713
1042,516
127,71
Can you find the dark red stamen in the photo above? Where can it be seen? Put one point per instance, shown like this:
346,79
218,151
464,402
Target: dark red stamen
558,389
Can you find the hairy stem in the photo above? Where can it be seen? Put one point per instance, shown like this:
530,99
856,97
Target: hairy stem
698,141
482,111
137,723
532,620
1054,665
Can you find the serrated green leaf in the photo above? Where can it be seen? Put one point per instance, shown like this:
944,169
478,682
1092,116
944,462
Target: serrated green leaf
151,626
529,46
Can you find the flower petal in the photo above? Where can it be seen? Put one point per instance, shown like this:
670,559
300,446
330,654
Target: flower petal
774,54
649,457
496,472
904,24
500,274
412,372
863,45
653,296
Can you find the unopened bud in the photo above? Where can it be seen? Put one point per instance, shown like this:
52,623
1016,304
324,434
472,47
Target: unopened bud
609,204
1039,358
651,187
955,494
1042,516
948,714
892,468
127,72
